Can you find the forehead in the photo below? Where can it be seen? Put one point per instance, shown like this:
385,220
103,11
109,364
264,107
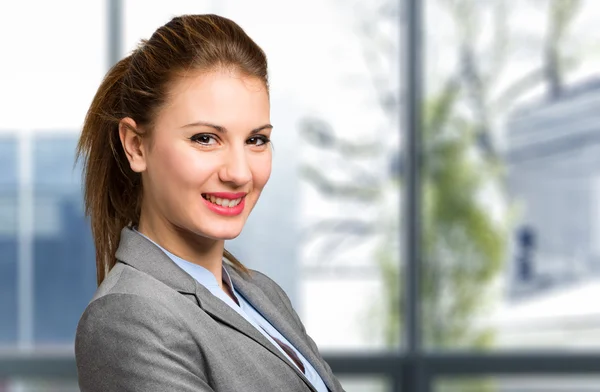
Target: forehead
223,97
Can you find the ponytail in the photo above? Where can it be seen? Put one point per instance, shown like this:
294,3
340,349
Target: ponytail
112,190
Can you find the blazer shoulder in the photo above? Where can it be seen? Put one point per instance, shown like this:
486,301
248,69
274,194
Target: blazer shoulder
109,282
114,308
262,279
125,279
131,342
273,291
266,283
127,296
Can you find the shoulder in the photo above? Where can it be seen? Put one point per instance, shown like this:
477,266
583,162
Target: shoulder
131,342
120,324
263,280
264,283
275,293
117,305
124,279
116,318
267,285
127,300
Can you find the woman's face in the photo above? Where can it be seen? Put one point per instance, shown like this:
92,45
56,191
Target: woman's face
209,156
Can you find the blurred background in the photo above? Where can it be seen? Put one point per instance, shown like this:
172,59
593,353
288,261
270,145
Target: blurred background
509,241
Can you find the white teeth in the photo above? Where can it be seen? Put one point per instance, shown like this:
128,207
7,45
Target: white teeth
223,202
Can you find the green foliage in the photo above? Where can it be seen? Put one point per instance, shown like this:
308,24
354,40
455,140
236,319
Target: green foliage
462,247
465,385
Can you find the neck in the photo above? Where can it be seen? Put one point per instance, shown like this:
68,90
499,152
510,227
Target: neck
205,252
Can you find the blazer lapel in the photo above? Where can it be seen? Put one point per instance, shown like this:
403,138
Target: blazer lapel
222,312
269,311
143,255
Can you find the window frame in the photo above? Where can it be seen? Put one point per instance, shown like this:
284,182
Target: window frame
413,368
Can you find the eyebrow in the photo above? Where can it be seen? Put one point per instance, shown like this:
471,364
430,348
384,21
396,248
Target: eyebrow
222,129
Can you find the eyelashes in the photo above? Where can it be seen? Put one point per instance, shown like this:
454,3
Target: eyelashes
207,139
204,139
262,139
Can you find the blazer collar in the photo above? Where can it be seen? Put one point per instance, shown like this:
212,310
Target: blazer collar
143,255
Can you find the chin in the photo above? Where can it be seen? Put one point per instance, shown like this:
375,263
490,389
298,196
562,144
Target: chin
231,237
217,228
222,237
224,233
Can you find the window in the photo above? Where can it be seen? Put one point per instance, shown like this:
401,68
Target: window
46,88
8,239
433,208
63,249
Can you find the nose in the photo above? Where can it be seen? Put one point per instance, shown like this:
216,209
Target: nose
236,169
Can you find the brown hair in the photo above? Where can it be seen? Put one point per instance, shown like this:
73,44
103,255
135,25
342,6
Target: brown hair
136,87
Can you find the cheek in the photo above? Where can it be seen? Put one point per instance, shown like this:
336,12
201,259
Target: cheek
166,164
261,171
172,167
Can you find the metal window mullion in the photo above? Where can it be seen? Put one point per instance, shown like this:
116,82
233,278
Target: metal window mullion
115,31
512,363
25,267
415,378
412,147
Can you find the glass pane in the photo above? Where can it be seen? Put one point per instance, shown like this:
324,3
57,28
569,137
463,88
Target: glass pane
572,383
365,384
326,227
64,258
8,239
56,64
39,385
510,176
55,68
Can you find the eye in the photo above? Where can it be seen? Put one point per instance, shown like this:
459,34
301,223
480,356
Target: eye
204,139
259,140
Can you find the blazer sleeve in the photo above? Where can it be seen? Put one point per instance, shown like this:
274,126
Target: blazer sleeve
126,342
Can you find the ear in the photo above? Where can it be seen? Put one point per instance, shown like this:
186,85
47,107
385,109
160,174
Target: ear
132,144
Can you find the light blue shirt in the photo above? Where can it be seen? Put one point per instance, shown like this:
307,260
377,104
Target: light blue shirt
247,311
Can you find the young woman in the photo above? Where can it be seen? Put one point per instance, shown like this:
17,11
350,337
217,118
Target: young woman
176,151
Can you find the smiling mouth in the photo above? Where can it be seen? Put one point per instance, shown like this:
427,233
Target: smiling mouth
230,203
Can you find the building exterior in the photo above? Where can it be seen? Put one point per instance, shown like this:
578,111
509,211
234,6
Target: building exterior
554,181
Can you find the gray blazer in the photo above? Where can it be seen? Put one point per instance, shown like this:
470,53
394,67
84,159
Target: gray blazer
151,327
